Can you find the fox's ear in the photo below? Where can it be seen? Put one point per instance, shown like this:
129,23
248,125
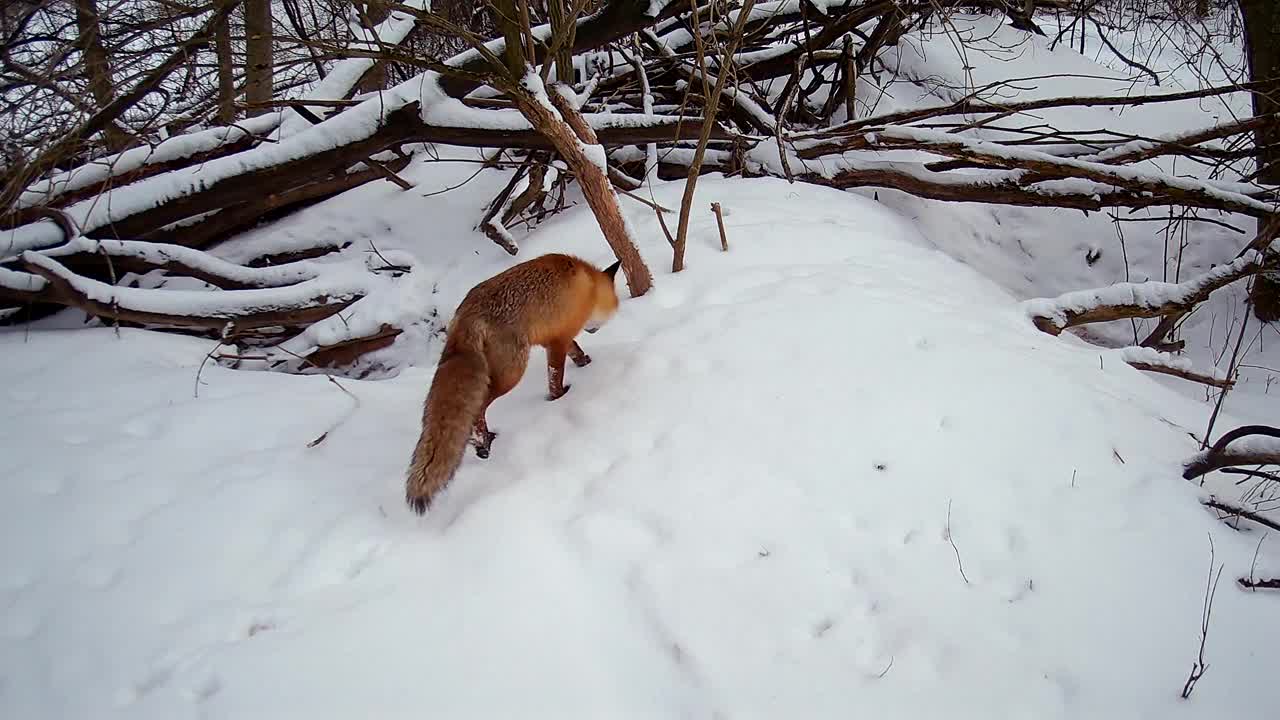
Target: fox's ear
612,270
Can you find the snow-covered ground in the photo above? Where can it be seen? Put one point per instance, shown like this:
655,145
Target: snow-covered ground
827,473
833,472
1036,252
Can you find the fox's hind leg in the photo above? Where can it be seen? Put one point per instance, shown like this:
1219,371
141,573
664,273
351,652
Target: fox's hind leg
578,357
507,360
481,437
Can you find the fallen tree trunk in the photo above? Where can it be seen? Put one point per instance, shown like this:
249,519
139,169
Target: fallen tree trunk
1029,167
401,126
214,228
228,312
971,105
1002,187
131,256
129,167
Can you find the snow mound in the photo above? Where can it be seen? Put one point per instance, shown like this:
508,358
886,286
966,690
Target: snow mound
830,473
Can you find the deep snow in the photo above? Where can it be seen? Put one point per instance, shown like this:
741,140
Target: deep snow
741,509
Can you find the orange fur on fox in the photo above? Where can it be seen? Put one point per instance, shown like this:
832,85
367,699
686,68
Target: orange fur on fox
545,301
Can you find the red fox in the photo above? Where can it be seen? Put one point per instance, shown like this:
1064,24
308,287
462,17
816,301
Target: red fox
545,301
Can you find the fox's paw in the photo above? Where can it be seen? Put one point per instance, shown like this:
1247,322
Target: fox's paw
582,360
556,396
483,444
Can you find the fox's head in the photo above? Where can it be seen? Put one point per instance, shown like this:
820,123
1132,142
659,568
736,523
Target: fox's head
605,298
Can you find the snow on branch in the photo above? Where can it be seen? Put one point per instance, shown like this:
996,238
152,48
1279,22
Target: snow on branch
1152,360
1175,143
1246,445
1137,300
346,139
20,288
298,304
349,128
970,105
140,257
1239,512
125,166
755,116
1040,166
370,323
346,73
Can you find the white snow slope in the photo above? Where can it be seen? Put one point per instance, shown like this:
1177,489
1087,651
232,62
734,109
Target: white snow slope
828,474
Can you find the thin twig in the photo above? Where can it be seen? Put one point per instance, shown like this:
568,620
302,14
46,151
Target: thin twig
345,416
1253,566
947,531
207,358
1199,667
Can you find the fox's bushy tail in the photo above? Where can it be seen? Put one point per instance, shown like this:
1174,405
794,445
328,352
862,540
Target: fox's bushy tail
456,397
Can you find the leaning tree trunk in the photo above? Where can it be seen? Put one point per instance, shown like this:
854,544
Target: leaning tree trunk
259,62
1262,42
98,68
573,140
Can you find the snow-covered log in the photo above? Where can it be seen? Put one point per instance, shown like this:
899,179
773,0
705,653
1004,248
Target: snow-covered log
973,104
1027,167
229,312
345,75
1152,360
1137,300
140,257
21,288
346,352
144,207
212,228
137,163
1247,445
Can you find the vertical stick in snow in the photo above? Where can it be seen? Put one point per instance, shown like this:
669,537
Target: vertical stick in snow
709,107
